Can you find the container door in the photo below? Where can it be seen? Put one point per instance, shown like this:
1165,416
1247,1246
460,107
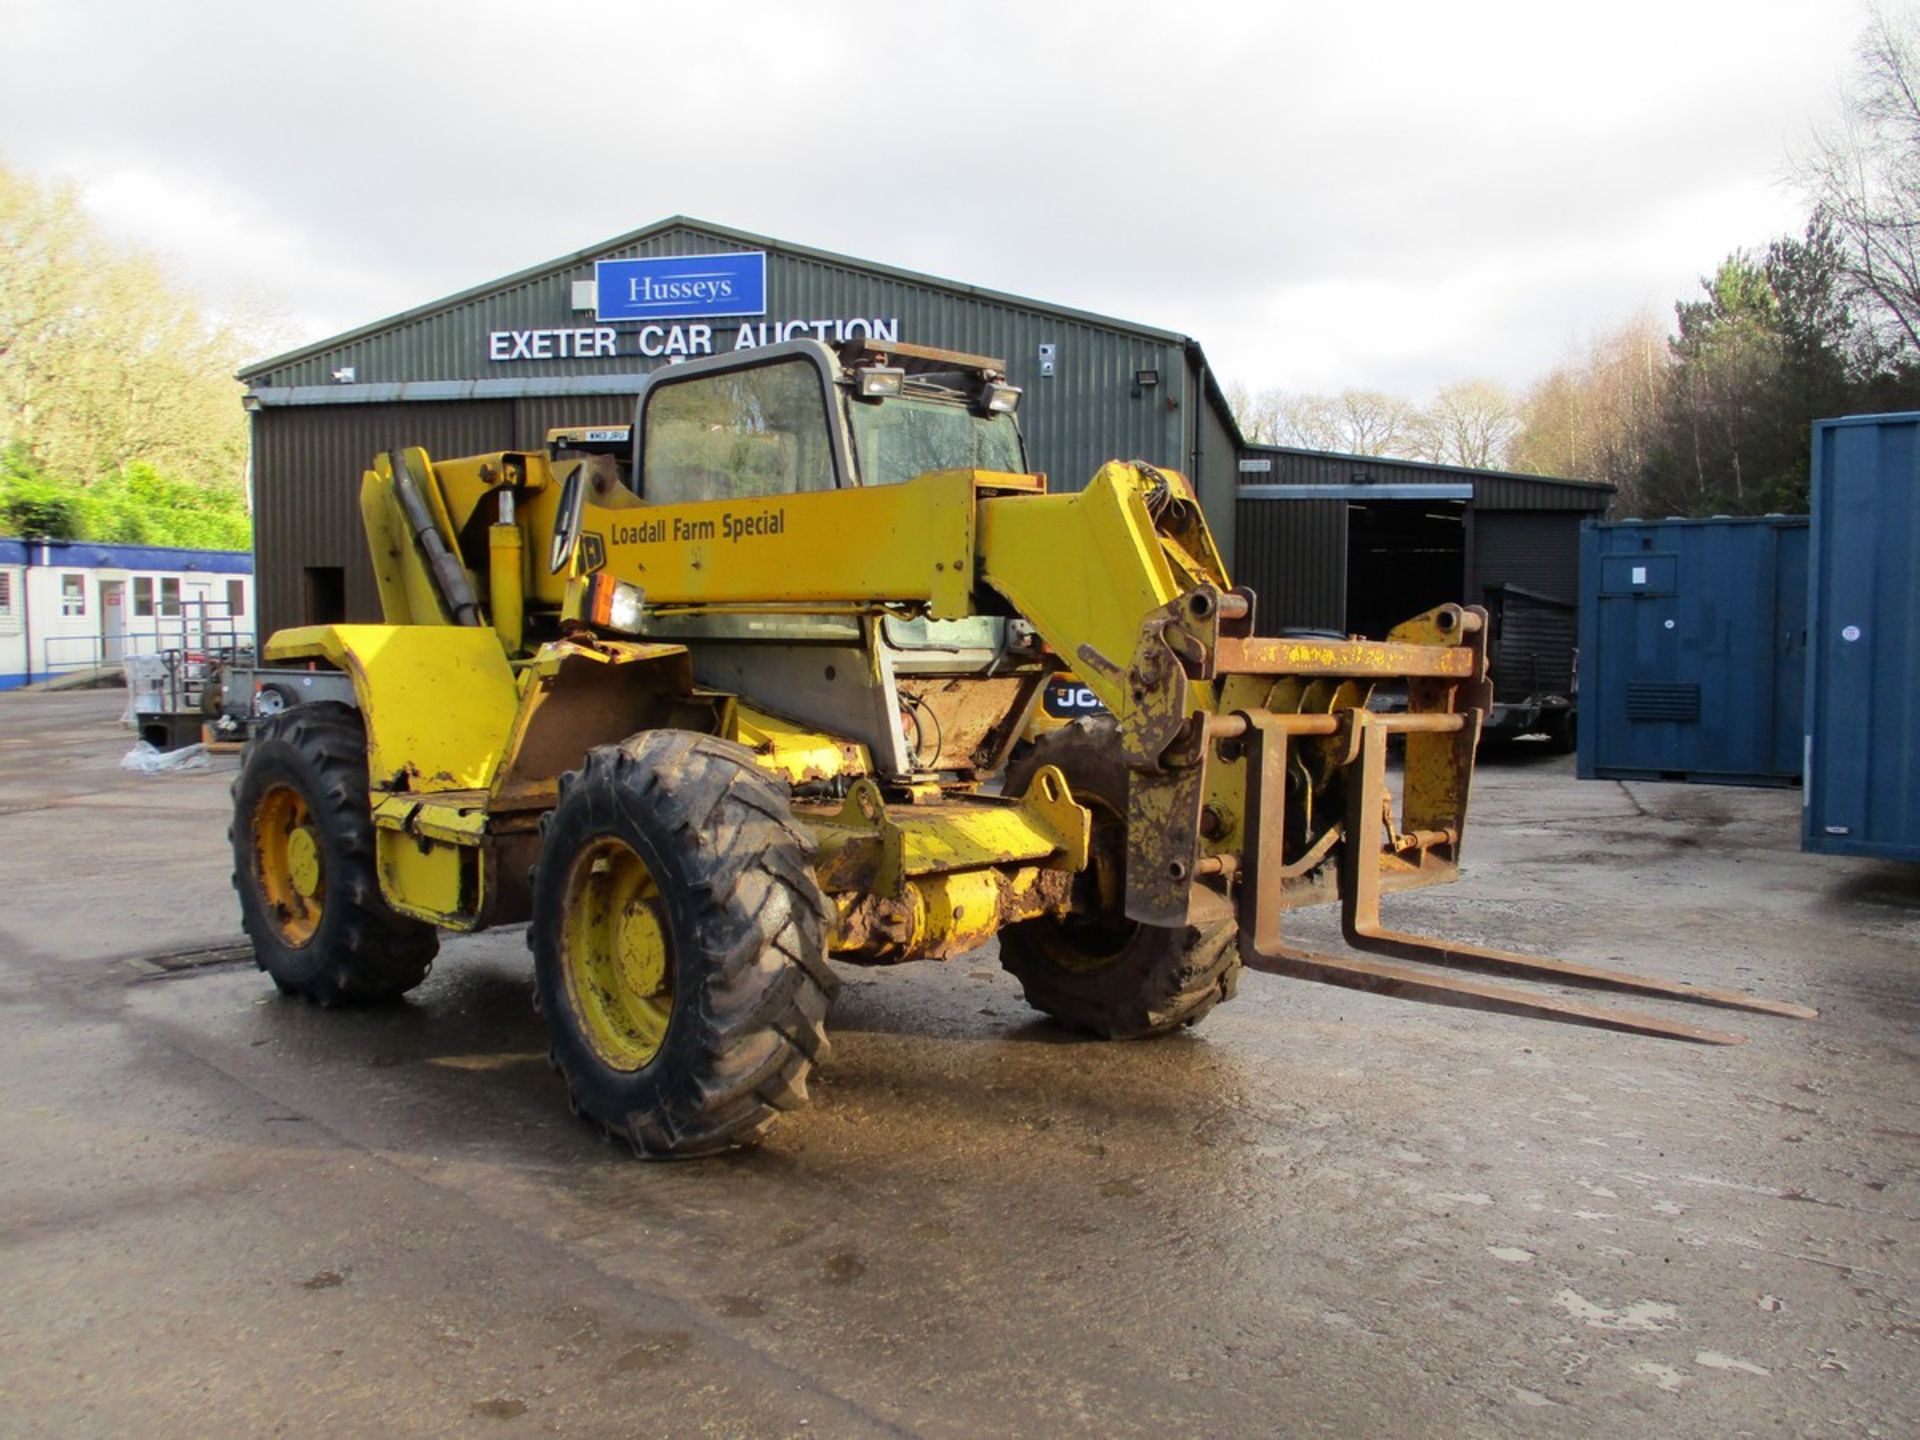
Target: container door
113,621
1865,629
1642,707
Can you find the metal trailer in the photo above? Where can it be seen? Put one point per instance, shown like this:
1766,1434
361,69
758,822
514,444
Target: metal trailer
249,693
1863,660
1693,650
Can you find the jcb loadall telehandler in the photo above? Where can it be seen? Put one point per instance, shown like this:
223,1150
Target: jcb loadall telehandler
715,697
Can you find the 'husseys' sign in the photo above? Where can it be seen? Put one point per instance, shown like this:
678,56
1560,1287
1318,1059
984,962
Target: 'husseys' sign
681,286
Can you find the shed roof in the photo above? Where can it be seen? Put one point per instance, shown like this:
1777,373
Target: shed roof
1492,489
546,269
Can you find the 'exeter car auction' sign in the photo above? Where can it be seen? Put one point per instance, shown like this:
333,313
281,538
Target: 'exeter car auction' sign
661,287
676,307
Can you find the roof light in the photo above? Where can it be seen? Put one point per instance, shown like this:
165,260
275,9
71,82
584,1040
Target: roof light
1000,398
876,382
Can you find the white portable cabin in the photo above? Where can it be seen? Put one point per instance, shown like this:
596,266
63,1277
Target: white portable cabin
69,605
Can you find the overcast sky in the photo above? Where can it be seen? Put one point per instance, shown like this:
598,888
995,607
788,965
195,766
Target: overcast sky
1377,194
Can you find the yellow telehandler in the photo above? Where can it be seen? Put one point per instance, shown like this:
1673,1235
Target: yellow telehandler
718,696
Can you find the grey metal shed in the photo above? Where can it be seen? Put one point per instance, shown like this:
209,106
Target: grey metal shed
1356,542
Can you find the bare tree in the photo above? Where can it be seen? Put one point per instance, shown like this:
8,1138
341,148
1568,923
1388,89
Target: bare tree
1258,416
1372,422
1470,423
1354,422
1864,174
1308,421
1596,416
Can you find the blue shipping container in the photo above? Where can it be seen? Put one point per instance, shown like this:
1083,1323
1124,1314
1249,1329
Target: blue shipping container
1863,672
1693,649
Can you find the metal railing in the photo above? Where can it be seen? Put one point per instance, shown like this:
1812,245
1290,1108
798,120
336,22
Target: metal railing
201,629
181,657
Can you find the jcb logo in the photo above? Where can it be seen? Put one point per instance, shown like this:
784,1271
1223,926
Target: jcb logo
1069,699
593,553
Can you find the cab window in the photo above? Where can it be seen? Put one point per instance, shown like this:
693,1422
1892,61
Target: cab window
758,431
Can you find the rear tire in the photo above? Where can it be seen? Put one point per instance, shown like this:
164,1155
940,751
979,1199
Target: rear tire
679,940
1108,975
303,864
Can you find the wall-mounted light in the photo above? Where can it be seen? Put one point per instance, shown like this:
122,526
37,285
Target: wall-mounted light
344,375
1143,381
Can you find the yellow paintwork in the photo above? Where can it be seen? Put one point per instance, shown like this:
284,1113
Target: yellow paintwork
1084,569
911,542
506,585
407,596
616,954
869,846
303,862
795,752
429,857
456,819
429,880
288,862
439,700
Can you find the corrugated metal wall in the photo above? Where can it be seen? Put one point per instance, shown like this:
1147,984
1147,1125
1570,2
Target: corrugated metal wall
1538,550
1218,474
1294,555
307,468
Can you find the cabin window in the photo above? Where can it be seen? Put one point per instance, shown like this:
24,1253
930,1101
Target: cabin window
740,433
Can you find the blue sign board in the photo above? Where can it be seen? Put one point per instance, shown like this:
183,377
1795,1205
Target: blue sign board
673,287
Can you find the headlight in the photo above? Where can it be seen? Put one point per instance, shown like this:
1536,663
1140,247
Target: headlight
1000,398
615,605
879,381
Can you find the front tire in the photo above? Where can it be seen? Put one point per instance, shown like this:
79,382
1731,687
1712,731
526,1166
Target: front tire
303,864
1105,974
679,940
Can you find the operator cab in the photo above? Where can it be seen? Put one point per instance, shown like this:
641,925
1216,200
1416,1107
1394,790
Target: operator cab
796,417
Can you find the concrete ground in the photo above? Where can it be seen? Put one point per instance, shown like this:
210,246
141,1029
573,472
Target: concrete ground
224,1212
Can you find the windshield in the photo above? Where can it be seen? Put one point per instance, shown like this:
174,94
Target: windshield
906,436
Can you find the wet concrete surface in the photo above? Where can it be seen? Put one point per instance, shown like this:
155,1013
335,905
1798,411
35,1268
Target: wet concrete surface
221,1211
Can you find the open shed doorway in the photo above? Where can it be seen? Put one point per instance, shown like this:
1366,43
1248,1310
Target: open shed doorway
1403,557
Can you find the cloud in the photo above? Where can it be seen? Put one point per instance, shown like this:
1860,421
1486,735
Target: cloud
1388,194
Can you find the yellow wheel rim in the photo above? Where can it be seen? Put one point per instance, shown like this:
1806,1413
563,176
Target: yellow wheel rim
617,954
291,869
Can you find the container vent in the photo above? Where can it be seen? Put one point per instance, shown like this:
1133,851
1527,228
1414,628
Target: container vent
1672,703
